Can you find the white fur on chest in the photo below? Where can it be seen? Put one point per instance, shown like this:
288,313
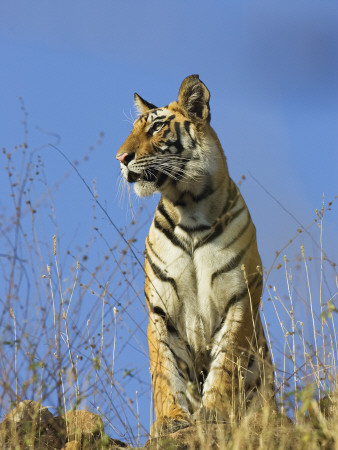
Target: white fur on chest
192,301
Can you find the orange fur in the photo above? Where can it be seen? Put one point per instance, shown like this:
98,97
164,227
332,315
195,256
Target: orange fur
203,286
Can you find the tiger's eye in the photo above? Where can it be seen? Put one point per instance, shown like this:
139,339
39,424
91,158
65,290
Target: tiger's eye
157,126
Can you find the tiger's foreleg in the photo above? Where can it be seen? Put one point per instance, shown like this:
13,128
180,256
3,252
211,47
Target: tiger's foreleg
168,383
223,395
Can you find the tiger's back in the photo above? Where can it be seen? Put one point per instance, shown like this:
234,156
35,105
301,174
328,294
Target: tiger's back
203,282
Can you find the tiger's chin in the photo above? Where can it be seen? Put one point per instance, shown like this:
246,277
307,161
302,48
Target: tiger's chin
144,183
144,188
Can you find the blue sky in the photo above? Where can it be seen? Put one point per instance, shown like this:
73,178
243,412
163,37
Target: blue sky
271,68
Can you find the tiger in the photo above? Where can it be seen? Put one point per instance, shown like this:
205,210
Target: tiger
209,357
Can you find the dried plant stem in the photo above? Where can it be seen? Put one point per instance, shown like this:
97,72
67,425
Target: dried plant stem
113,362
316,372
102,321
322,315
57,349
74,285
267,333
64,317
64,402
138,421
15,354
292,315
250,299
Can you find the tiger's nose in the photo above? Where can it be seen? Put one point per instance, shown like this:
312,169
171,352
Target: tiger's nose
125,158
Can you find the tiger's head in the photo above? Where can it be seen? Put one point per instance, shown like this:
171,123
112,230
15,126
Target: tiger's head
170,149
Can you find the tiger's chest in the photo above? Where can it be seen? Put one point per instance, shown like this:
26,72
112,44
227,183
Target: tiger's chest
186,281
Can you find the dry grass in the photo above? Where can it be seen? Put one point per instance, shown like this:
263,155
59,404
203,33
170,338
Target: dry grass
73,320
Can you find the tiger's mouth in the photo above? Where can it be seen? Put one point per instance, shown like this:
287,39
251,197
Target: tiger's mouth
146,175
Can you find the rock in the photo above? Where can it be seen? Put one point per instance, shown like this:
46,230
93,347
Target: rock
85,427
200,437
329,406
29,411
31,424
73,445
116,444
219,436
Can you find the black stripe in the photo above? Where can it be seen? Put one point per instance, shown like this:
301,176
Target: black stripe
165,214
177,143
235,299
196,198
170,327
193,228
217,231
172,238
159,117
252,360
232,264
180,202
159,311
159,274
207,191
161,179
176,358
238,297
218,228
187,125
165,133
229,217
201,378
230,303
178,130
166,344
266,348
259,382
240,234
232,197
152,250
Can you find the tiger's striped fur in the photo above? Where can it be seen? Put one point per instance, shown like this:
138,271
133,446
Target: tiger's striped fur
203,282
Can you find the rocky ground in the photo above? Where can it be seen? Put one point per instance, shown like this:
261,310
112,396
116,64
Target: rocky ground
29,425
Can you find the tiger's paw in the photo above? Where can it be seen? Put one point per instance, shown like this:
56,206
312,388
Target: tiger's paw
168,425
206,415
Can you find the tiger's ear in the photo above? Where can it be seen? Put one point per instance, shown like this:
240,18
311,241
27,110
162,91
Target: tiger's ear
194,97
142,105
